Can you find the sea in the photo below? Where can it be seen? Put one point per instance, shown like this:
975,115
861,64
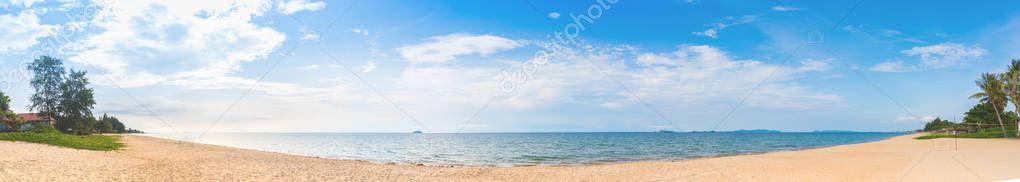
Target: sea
527,149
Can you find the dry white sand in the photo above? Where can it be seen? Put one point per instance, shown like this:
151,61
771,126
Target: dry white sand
151,159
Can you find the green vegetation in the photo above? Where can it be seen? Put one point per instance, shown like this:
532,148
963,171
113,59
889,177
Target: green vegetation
938,124
8,118
48,135
998,90
983,116
986,133
65,98
992,92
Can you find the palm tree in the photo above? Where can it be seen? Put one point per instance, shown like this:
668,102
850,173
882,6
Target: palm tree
1012,78
992,92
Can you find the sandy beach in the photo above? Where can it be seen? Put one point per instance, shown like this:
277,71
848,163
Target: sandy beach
151,159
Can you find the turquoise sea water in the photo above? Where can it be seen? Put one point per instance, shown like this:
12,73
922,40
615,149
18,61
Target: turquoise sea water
516,149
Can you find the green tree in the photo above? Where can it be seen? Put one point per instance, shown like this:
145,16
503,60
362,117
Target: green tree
983,114
1012,77
8,117
48,76
106,124
77,101
992,92
938,124
115,123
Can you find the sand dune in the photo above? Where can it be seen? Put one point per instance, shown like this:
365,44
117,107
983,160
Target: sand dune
151,159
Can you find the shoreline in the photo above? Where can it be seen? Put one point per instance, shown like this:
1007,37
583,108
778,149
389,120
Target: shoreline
622,161
156,159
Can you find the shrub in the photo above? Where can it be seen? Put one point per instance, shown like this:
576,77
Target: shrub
43,128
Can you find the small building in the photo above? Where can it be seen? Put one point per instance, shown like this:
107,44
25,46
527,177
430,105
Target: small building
31,119
957,130
35,118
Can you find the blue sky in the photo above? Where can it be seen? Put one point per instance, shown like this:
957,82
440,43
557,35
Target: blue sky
444,66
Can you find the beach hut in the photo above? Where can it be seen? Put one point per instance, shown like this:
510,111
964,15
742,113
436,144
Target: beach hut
957,130
31,119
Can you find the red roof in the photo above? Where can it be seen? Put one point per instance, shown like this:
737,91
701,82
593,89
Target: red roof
31,116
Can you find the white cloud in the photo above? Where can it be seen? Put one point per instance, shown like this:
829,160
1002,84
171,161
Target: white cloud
294,6
785,8
889,33
649,59
890,66
18,3
445,48
308,34
333,80
932,57
815,65
185,41
911,119
554,15
882,35
230,82
611,105
309,67
711,32
945,54
22,31
360,31
853,28
719,25
701,74
688,77
368,67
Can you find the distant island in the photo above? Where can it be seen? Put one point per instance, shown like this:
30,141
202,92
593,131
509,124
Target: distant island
757,131
835,131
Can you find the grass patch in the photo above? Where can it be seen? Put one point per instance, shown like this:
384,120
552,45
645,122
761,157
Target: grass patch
87,142
986,133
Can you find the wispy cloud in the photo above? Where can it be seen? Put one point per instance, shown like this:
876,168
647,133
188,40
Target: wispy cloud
21,31
785,8
891,66
554,15
294,6
721,24
933,57
309,67
309,35
882,35
911,119
703,74
185,44
945,54
815,65
368,67
360,31
448,47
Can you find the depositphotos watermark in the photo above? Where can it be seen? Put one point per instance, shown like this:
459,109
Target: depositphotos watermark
514,77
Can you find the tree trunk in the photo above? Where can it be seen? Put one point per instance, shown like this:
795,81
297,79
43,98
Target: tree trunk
998,116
